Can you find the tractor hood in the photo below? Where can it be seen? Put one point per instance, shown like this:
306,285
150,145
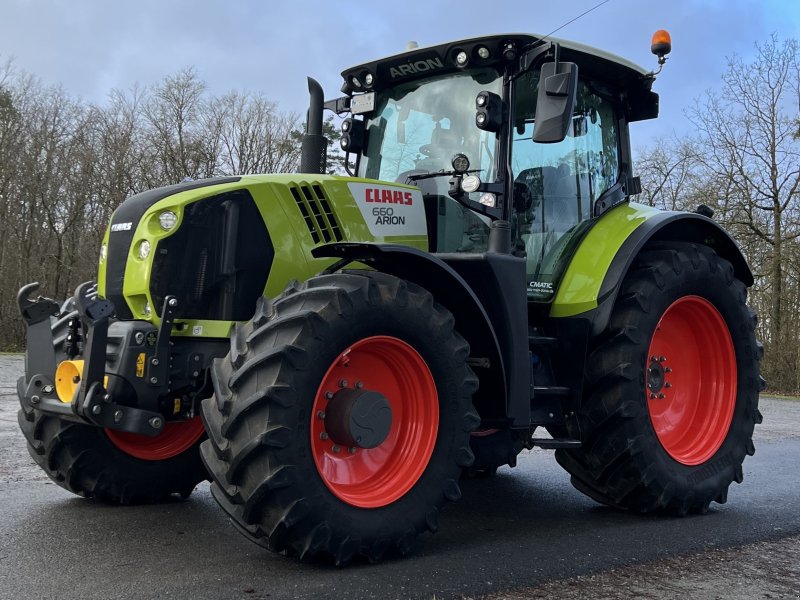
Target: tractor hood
218,244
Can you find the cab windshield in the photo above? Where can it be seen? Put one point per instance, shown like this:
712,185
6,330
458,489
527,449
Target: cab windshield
418,126
416,129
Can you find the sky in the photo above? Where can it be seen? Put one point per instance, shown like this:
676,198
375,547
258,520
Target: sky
91,46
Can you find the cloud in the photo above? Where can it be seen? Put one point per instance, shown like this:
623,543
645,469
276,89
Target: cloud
90,46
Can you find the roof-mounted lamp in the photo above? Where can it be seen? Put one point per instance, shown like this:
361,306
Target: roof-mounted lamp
661,45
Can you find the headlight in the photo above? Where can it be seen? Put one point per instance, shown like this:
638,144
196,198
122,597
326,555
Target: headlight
144,249
103,252
167,220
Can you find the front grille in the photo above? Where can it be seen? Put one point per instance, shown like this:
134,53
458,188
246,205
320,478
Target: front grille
128,214
218,261
317,213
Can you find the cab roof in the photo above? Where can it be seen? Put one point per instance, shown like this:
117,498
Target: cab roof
625,78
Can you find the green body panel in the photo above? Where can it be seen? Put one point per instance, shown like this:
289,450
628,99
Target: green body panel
290,236
579,288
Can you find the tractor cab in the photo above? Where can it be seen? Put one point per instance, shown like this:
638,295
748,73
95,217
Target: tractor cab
485,137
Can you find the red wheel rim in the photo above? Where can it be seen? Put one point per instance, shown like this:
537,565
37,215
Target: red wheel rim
370,478
172,441
691,380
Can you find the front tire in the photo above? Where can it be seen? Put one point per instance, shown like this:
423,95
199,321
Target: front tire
110,466
289,466
672,387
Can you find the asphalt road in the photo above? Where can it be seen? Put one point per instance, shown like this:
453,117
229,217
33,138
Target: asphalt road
524,527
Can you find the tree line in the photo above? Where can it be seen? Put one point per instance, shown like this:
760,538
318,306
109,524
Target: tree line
66,164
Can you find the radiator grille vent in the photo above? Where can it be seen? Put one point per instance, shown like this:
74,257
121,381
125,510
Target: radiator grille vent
317,213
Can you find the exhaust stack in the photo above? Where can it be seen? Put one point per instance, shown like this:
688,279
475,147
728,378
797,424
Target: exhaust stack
313,153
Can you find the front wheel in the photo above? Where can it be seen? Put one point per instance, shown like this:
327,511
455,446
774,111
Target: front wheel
341,418
672,387
111,466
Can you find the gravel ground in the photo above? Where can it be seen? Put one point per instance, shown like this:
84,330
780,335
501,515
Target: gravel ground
762,570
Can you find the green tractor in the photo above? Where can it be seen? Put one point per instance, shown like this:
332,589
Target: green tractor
338,352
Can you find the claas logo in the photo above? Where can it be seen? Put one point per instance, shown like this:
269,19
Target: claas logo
388,196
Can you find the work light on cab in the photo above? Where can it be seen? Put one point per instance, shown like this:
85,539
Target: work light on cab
460,163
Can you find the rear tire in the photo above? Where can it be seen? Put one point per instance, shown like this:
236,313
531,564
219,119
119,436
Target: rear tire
279,467
116,468
672,387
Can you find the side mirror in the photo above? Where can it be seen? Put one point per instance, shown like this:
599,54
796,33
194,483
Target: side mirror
555,102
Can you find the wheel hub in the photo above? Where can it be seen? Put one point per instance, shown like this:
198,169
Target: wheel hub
358,418
380,390
657,372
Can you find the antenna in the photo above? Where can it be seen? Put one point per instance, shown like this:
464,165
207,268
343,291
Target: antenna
583,14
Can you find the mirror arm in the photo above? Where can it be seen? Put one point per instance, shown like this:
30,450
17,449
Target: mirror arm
530,58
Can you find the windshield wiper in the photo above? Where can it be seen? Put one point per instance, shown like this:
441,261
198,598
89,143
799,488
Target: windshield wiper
442,173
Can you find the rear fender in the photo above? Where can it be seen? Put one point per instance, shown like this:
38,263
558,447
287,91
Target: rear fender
593,278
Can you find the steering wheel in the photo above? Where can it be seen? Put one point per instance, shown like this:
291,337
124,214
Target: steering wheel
430,150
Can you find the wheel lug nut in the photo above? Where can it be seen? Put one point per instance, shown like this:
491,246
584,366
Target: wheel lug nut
661,396
343,383
323,435
653,359
321,414
359,385
336,449
329,395
667,384
352,450
652,396
667,369
662,358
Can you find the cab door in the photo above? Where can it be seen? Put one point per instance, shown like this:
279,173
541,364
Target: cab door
556,185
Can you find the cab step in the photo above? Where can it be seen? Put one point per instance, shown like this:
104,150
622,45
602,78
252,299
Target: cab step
555,443
550,390
541,340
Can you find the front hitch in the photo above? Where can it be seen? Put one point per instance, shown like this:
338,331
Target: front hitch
91,403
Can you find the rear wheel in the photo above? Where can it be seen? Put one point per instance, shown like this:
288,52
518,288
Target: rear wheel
341,418
112,466
672,387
